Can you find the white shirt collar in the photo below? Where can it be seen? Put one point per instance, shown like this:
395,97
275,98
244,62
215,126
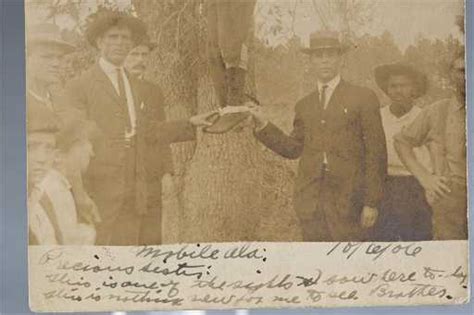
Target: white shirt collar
414,111
109,67
331,84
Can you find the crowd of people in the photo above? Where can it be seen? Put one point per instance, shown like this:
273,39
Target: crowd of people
98,148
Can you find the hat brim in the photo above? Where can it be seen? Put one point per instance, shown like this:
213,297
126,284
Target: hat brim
342,48
102,24
226,122
66,47
150,45
383,72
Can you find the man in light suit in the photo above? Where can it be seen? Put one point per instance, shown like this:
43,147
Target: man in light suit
338,136
118,178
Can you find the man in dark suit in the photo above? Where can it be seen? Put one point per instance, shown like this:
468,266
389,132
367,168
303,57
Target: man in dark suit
339,136
121,178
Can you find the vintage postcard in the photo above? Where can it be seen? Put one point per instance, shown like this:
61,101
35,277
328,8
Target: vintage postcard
208,154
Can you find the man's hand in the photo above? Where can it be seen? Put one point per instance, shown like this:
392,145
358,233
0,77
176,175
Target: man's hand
368,217
435,187
258,117
201,120
87,209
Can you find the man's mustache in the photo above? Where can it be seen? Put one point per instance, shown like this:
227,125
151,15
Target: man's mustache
139,67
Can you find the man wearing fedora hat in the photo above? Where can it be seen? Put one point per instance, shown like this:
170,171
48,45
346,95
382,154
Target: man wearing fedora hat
338,136
442,128
45,52
158,162
118,178
405,215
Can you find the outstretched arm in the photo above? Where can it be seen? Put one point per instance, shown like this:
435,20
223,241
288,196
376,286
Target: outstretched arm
288,146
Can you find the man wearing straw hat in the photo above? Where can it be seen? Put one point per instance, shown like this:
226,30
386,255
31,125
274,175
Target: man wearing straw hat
442,127
405,215
107,94
339,139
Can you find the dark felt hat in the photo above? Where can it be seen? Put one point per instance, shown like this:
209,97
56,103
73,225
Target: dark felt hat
99,22
383,72
47,34
325,40
229,117
226,119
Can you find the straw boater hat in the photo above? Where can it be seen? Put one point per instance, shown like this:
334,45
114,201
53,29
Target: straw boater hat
101,21
325,40
47,34
383,72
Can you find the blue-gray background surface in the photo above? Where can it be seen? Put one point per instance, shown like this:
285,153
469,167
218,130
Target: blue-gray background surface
13,222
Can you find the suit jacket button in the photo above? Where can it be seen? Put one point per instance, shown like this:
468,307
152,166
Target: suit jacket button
323,121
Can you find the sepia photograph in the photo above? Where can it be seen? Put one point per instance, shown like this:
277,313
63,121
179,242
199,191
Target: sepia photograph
224,122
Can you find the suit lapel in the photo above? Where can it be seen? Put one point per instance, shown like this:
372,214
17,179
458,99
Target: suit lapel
134,86
107,86
336,98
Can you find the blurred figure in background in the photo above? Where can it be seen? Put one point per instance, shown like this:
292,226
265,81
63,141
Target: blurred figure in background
442,127
45,53
137,58
52,211
405,215
159,160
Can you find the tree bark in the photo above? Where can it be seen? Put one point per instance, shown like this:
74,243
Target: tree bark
230,187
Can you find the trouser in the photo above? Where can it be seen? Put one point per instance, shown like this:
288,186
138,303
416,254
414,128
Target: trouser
404,213
131,225
450,213
336,217
229,25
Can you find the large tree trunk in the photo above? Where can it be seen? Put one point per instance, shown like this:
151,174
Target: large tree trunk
230,187
235,189
174,66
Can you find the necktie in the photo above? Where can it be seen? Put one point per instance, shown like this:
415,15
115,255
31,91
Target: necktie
121,87
123,96
322,99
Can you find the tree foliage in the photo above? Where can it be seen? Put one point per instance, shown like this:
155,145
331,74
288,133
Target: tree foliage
230,181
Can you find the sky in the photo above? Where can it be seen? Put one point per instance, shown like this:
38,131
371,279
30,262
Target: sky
405,19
